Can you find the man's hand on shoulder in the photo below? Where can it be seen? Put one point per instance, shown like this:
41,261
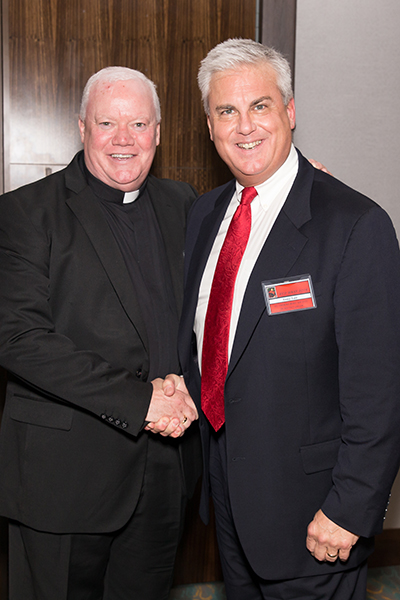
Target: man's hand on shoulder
327,541
319,166
171,410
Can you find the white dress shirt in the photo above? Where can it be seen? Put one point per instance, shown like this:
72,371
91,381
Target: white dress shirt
265,207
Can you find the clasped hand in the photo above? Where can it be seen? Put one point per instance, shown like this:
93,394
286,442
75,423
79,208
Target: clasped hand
171,410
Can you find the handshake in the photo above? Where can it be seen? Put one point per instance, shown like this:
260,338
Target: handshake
171,410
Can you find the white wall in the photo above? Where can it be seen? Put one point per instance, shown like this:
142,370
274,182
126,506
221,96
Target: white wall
347,90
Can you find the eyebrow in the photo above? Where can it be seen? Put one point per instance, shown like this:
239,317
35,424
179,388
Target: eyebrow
254,103
262,99
224,106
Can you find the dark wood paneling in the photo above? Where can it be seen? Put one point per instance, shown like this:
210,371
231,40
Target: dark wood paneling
278,27
187,141
54,46
197,559
387,549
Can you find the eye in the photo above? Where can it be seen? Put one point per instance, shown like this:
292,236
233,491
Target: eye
140,126
226,111
260,107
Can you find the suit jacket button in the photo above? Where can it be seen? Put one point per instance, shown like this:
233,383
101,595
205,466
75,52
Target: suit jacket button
139,373
117,422
124,425
103,416
110,419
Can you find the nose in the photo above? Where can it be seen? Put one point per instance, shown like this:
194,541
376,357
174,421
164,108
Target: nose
245,123
123,136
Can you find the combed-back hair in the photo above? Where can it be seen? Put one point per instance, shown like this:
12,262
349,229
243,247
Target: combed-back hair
238,52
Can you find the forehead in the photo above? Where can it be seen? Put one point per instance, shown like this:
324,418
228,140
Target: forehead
131,97
246,82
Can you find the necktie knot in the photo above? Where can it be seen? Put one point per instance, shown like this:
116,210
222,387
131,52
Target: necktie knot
248,194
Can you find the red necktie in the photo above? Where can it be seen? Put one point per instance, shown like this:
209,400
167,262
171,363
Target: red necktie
217,325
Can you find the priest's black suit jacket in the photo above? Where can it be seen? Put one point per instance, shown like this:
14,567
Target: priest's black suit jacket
72,448
312,397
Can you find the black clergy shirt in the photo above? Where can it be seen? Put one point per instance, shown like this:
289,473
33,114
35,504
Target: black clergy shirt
137,233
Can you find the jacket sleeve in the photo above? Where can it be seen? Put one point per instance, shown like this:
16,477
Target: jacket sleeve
367,326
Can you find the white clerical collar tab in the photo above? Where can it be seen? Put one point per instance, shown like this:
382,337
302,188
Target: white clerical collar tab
130,196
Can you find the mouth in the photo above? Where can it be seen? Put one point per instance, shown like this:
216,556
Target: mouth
122,156
249,145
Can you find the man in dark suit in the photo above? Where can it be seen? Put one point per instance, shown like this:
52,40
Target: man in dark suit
289,344
91,263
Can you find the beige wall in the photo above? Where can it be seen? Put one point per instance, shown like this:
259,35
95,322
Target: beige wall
347,99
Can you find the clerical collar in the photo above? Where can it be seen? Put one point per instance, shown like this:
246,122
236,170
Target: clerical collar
131,196
106,192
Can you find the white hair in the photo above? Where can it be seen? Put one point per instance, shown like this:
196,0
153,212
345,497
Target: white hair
112,75
237,52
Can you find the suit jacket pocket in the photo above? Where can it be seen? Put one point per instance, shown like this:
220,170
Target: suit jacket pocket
321,456
43,414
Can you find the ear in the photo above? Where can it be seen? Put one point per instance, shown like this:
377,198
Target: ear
158,134
291,112
210,127
82,129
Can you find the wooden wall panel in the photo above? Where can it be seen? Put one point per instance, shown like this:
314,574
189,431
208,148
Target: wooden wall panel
278,27
53,46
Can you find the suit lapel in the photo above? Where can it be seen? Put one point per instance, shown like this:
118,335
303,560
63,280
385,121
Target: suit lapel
198,258
88,212
205,239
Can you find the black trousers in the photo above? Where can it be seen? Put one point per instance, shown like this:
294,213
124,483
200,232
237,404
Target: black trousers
241,582
135,562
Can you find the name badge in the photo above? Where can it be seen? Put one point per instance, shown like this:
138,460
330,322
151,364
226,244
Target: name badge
289,295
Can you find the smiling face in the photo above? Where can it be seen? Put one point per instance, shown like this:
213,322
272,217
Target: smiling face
249,123
120,133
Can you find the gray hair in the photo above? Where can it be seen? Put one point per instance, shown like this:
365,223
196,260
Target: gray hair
114,74
237,52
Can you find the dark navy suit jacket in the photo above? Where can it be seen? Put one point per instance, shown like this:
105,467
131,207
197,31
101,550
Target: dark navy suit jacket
312,397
